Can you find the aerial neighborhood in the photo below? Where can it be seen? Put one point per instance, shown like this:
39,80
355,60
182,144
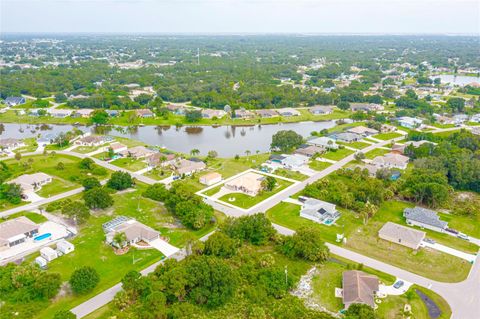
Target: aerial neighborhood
239,177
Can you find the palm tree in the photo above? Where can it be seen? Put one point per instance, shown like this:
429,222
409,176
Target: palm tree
194,152
120,239
247,152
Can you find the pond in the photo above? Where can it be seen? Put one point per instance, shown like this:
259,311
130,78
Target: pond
226,140
461,80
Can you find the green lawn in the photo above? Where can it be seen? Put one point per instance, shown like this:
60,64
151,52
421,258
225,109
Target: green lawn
231,166
30,146
158,174
86,149
425,262
34,217
465,224
336,155
213,191
318,165
387,136
64,179
90,249
290,174
129,163
358,145
4,204
245,201
58,185
376,152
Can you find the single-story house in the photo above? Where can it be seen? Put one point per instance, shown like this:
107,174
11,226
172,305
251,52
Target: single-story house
210,178
409,122
83,113
267,113
386,128
65,247
476,130
16,231
475,118
323,142
244,114
294,161
133,230
91,140
59,113
362,130
31,182
391,160
424,218
321,109
401,235
161,159
249,183
188,167
309,150
144,113
10,144
138,152
346,137
48,253
118,147
359,287
460,118
366,107
210,113
318,211
175,109
288,111
15,100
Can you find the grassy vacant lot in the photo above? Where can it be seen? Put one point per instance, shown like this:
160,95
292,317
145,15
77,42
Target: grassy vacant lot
338,154
358,145
57,185
290,174
86,149
90,249
376,152
246,201
34,217
425,262
465,224
158,174
288,215
387,136
318,165
231,166
30,146
129,163
64,179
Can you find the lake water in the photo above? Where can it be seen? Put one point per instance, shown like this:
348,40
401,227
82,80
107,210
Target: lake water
457,79
226,140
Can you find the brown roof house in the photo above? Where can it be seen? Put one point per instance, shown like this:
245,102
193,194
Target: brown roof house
188,167
91,140
321,109
118,147
401,235
16,231
138,152
359,287
244,114
161,159
267,113
144,113
9,144
210,178
362,130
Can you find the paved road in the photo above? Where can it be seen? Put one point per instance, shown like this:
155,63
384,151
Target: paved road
107,296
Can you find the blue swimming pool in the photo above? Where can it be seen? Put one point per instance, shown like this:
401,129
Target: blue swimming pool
328,222
42,237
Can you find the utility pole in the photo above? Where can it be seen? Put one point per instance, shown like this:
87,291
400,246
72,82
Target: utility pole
198,56
286,275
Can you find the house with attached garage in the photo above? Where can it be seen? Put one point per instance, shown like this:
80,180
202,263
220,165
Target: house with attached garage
15,100
59,113
391,160
346,137
359,288
10,144
117,147
309,150
409,122
318,211
323,142
362,130
425,218
401,235
138,152
144,113
133,230
210,114
161,159
31,182
16,231
249,183
321,109
188,166
266,113
288,111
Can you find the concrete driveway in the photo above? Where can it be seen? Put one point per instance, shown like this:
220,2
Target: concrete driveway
164,247
451,251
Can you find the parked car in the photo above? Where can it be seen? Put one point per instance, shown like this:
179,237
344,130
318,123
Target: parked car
462,236
399,284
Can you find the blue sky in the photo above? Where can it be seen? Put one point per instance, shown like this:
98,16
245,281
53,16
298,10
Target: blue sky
242,16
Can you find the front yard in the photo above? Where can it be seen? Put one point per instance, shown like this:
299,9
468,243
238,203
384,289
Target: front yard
376,152
318,165
129,163
387,136
337,155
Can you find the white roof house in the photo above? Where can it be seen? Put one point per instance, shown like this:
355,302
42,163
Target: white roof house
210,178
65,247
323,142
31,182
9,144
48,253
118,147
318,210
294,161
410,122
391,160
288,111
16,231
401,235
249,183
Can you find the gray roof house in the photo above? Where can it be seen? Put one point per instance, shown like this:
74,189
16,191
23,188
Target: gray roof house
401,235
323,142
16,231
14,100
425,218
321,109
346,137
318,211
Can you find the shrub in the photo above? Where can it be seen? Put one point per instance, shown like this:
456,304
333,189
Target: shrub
84,279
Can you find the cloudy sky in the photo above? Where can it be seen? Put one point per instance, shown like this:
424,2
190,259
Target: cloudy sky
242,16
